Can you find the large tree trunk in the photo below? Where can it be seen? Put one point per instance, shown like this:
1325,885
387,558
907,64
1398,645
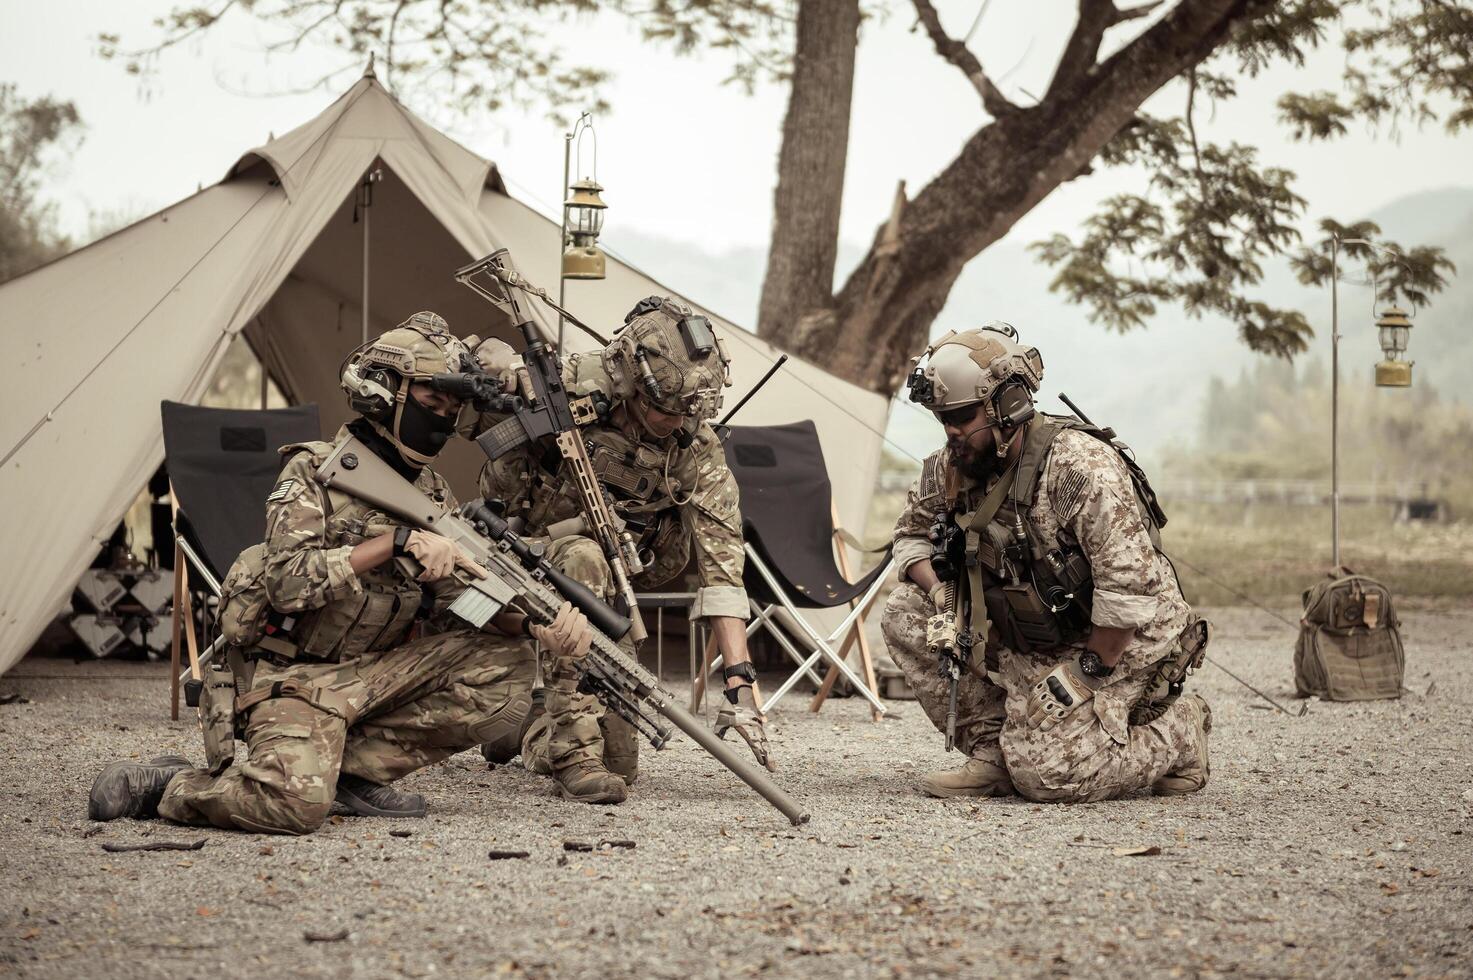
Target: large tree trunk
810,166
882,315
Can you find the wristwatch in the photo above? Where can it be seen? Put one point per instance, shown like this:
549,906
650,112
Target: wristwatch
401,539
1092,666
744,670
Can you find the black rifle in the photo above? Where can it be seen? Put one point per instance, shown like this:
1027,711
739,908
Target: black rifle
551,413
519,578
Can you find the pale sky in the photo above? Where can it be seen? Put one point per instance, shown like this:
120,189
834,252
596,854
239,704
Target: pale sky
681,155
686,158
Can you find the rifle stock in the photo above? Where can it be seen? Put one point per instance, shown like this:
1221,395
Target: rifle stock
520,578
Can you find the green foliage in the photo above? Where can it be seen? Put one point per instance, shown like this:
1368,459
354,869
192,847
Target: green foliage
486,53
1211,216
32,133
1412,274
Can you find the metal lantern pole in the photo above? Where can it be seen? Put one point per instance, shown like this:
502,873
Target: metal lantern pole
562,283
1335,400
1335,243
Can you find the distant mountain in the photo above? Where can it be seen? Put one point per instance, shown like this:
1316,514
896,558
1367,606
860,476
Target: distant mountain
1149,384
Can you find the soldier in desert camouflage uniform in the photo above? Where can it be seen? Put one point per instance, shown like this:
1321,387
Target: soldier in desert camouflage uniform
342,701
659,383
1078,619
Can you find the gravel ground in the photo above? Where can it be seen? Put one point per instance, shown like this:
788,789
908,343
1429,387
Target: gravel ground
1334,843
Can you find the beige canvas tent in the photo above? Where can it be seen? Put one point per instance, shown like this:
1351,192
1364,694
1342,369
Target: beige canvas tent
275,250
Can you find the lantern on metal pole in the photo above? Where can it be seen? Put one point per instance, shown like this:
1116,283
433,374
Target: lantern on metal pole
583,217
1393,327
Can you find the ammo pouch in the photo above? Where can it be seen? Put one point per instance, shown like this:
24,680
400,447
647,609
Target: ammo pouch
349,627
1349,646
1170,678
217,717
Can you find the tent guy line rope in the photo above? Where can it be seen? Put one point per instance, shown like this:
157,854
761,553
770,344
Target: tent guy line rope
281,182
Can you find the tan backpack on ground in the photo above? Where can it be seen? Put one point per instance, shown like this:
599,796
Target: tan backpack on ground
1349,645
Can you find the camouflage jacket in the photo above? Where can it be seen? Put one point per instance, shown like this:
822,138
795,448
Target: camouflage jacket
676,501
310,532
1085,499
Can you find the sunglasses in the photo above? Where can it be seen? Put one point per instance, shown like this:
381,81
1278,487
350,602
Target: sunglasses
958,417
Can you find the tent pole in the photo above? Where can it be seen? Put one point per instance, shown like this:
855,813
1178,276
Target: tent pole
367,207
562,238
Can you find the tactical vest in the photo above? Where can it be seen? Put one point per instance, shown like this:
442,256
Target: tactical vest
535,486
377,618
1037,594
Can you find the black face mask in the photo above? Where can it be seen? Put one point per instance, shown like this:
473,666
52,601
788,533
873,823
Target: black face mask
423,431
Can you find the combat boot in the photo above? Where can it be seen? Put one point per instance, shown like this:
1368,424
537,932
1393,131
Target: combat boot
1192,776
589,782
360,798
979,776
132,789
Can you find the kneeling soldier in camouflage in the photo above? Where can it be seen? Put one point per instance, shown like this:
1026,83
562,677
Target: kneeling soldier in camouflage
340,702
1030,564
657,385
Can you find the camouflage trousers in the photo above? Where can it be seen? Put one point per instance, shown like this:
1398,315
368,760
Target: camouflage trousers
1093,754
979,702
576,728
379,716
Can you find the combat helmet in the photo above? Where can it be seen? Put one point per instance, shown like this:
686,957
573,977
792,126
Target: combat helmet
378,374
987,366
671,357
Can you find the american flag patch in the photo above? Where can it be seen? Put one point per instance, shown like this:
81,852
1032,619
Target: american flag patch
1070,492
283,490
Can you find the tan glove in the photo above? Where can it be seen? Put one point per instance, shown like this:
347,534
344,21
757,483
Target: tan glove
498,359
743,716
1059,693
440,556
569,636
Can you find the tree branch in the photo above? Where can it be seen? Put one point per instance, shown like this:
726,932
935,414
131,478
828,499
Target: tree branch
1083,48
956,52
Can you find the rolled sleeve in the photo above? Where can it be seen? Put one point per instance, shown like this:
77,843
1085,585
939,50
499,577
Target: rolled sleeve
342,581
721,600
1119,610
910,550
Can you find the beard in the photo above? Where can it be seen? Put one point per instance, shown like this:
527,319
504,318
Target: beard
976,456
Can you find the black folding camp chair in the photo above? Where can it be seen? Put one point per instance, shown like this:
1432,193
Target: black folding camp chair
789,527
222,464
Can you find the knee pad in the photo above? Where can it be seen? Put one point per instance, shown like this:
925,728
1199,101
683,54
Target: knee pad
621,747
501,734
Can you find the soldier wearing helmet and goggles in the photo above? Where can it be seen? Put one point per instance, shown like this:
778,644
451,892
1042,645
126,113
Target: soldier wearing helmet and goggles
335,695
654,389
1031,574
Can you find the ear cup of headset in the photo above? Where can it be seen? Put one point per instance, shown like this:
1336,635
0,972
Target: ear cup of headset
1013,405
375,406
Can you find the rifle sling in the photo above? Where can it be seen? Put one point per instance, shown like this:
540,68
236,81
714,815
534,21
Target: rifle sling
978,623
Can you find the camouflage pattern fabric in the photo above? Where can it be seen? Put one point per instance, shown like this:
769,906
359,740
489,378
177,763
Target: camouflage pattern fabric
375,704
578,729
696,512
1093,754
380,716
979,702
1085,499
310,532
